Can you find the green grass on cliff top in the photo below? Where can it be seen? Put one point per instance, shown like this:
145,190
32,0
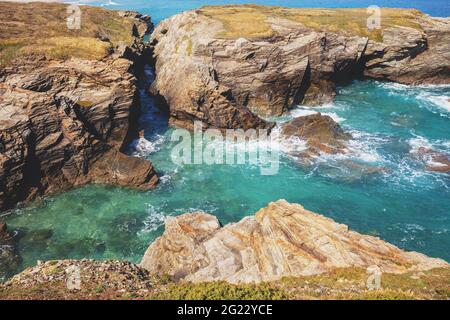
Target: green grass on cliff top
252,21
40,28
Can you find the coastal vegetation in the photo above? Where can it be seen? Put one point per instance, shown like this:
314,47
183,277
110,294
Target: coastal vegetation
253,21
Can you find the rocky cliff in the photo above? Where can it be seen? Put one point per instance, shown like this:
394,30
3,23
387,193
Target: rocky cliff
283,252
123,280
227,66
68,100
281,240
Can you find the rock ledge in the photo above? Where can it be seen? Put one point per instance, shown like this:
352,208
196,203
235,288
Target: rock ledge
281,240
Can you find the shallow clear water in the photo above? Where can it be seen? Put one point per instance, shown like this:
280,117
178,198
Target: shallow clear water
401,202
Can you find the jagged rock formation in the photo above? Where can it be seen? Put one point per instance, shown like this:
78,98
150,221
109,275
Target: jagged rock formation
321,133
434,161
280,240
226,65
64,119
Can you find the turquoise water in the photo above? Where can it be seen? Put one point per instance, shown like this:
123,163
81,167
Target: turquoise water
401,202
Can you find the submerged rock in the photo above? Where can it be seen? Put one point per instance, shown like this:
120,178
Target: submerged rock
321,133
64,120
350,171
9,258
280,240
214,66
435,161
116,277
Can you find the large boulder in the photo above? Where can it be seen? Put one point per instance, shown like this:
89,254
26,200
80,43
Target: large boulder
280,240
321,133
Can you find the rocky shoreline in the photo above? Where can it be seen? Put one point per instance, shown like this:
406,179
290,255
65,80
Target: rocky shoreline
281,240
65,120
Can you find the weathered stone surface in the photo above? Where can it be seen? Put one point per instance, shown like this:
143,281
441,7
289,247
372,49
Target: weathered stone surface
224,80
321,132
117,276
280,240
117,168
64,122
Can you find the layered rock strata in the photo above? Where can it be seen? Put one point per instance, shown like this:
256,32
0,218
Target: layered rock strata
281,240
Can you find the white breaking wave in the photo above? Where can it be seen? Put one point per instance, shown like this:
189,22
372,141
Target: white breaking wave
334,116
296,113
421,142
362,147
293,145
426,95
306,112
165,178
